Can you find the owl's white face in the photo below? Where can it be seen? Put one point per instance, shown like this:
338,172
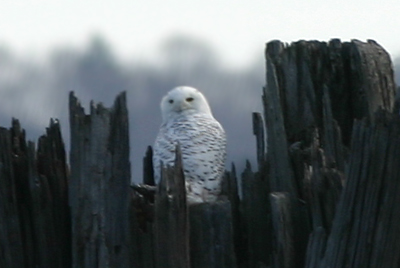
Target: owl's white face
183,101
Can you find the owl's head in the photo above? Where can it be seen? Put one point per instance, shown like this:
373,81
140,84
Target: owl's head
184,100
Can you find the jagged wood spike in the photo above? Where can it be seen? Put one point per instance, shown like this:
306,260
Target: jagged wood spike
99,189
171,230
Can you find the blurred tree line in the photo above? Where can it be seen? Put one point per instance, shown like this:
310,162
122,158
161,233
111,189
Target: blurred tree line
35,90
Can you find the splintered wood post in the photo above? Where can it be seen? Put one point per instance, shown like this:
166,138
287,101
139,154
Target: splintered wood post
11,240
334,149
148,171
142,218
316,248
171,230
25,190
365,231
256,213
283,246
52,164
230,189
211,235
49,192
358,76
34,213
260,133
281,175
99,189
314,92
142,238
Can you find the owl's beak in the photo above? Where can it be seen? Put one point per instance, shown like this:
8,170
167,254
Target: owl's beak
183,106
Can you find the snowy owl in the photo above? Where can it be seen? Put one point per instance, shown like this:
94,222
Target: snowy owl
187,120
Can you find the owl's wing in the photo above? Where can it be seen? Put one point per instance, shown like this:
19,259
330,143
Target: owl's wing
164,151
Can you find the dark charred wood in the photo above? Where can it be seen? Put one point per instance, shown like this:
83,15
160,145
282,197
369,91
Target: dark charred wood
34,213
365,232
142,238
13,249
148,171
256,213
358,76
231,190
171,230
99,191
211,235
261,139
282,222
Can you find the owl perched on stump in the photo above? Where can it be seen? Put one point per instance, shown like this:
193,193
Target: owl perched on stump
188,121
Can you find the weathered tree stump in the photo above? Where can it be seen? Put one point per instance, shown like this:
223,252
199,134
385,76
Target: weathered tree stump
314,91
34,212
365,231
358,76
211,235
256,214
261,139
13,247
52,172
230,190
142,218
281,175
283,230
198,235
142,232
325,193
171,222
99,189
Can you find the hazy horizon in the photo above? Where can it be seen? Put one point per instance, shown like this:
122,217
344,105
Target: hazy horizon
34,91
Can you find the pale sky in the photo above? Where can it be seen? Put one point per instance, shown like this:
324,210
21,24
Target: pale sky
238,30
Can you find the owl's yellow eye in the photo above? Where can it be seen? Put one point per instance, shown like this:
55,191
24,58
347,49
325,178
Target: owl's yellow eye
171,101
189,99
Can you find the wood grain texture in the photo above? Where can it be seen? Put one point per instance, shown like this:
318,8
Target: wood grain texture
34,213
171,222
99,189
